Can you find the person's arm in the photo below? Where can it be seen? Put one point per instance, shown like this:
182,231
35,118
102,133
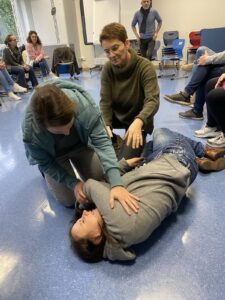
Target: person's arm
106,97
8,58
133,26
30,51
159,25
41,53
150,107
104,149
215,59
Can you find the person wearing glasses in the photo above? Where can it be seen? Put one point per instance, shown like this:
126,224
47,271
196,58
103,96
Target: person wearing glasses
15,64
36,56
129,91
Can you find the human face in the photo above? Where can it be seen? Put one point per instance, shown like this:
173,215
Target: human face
65,129
146,4
33,38
116,51
12,41
88,227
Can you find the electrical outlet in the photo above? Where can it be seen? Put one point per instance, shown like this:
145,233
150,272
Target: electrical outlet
83,58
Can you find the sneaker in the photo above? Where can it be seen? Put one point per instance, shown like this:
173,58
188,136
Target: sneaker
19,89
179,98
12,96
191,114
217,142
206,132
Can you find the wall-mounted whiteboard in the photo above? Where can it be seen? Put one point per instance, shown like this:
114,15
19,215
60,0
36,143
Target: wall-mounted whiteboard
97,13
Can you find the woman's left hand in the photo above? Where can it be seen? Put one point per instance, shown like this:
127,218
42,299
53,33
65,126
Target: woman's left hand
134,134
126,199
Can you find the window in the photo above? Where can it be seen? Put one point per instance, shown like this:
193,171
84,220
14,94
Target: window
7,20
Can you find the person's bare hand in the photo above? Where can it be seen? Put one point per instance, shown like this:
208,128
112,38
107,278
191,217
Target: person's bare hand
202,59
109,132
126,199
79,194
134,134
220,81
2,65
135,161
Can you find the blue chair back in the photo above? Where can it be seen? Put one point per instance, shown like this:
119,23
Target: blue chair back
169,37
178,46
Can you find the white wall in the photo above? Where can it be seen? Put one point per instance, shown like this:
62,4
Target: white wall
182,15
192,15
44,23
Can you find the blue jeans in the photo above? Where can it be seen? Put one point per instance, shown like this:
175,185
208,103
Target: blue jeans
20,73
43,66
200,75
6,80
184,148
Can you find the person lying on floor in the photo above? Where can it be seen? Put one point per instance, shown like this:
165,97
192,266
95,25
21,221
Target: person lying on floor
108,231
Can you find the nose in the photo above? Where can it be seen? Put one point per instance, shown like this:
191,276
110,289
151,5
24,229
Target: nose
85,213
111,54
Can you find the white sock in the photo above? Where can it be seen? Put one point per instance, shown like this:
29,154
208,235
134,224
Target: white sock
13,96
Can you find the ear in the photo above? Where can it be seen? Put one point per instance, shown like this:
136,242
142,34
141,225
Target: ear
127,44
97,239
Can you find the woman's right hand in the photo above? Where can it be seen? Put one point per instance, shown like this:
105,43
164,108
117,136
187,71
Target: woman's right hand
79,194
220,81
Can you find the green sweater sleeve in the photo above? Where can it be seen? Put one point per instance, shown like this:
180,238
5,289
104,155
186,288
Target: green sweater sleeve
151,94
106,97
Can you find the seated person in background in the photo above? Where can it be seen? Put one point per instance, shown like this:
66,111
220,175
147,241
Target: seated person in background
129,90
15,64
215,102
208,64
36,56
8,84
160,185
62,125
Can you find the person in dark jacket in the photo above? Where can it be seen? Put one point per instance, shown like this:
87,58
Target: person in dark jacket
15,64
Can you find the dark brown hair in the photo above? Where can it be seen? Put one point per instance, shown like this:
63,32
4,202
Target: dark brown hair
113,31
29,37
8,38
51,107
85,249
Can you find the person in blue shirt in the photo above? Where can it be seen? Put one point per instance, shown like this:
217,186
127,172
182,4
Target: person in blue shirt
146,19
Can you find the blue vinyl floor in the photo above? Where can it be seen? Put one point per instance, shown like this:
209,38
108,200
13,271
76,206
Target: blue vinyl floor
183,259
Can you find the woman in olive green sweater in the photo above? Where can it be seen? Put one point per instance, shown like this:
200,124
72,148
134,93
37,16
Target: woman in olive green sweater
129,90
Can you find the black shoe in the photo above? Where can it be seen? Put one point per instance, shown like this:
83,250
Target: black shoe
191,114
179,98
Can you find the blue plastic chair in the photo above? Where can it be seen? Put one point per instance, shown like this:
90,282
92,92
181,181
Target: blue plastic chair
174,54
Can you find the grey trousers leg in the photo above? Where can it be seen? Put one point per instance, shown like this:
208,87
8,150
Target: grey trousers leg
86,163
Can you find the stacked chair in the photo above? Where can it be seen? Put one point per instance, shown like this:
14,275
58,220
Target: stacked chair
195,39
173,52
